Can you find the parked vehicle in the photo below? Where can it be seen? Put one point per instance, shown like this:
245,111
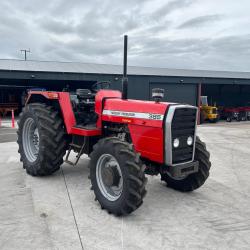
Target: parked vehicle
208,113
230,114
125,139
242,113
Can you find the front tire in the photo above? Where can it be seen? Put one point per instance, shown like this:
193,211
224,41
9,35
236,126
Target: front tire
41,139
117,176
195,180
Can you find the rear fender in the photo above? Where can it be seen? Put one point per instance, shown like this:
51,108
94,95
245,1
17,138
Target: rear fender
41,96
60,101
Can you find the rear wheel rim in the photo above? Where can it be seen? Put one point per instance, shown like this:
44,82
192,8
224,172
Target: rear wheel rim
30,140
109,177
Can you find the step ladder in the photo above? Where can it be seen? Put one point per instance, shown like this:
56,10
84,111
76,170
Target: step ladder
72,146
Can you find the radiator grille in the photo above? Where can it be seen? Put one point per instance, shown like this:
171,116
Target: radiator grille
183,126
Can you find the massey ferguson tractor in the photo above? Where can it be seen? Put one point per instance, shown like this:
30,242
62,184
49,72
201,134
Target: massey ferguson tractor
125,140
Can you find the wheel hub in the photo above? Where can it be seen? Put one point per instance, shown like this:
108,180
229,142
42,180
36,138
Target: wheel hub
30,138
111,176
36,139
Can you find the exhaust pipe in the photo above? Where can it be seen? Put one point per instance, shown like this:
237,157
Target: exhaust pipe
125,78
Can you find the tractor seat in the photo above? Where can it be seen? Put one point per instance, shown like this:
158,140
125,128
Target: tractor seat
84,94
86,97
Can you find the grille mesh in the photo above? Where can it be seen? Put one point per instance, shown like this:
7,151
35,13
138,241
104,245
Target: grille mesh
183,126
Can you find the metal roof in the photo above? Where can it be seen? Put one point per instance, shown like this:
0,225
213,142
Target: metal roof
92,68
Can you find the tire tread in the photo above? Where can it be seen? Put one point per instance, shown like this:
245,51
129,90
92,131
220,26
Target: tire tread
136,178
52,140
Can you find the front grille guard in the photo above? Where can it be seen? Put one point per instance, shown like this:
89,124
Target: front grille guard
168,133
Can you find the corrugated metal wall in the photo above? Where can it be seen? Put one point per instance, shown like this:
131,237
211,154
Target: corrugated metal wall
175,90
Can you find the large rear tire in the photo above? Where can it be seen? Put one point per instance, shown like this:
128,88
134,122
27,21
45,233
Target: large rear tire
41,139
117,176
195,180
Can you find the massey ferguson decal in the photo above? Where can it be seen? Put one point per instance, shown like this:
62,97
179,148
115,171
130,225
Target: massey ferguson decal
148,116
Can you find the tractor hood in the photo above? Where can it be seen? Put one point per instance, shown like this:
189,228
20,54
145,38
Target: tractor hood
146,113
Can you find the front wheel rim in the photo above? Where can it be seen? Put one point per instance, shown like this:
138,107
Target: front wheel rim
30,138
110,187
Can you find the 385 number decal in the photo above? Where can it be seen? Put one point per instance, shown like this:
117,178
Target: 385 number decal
155,117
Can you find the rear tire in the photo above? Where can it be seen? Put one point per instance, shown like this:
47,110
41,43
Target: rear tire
195,180
41,123
130,173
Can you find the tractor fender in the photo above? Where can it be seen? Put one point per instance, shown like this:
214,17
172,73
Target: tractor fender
41,96
60,101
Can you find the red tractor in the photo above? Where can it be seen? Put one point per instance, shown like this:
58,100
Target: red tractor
125,139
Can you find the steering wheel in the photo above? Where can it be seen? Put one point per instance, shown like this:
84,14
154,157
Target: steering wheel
100,85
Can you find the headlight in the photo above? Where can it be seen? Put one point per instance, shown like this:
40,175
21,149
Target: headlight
176,143
190,141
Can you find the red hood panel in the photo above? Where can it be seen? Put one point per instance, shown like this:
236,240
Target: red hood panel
136,106
144,113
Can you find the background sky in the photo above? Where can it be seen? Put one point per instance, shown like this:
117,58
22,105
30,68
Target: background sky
190,34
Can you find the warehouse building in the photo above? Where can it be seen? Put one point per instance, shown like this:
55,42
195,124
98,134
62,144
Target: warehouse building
183,86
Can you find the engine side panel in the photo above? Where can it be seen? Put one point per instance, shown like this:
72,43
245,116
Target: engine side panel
148,141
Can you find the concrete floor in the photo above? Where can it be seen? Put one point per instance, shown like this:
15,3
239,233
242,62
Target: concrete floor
7,134
59,212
